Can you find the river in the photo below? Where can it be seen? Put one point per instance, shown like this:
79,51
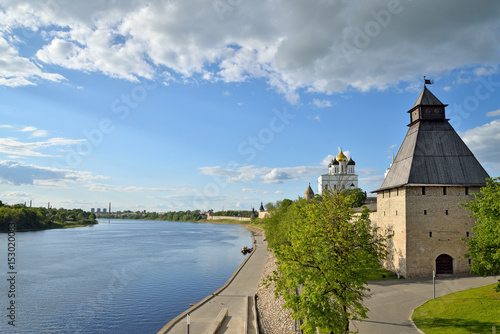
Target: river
121,276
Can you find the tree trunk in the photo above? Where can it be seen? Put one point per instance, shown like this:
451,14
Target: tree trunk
346,319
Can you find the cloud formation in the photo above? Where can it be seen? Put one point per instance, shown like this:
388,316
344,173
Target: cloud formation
484,142
15,147
18,173
313,46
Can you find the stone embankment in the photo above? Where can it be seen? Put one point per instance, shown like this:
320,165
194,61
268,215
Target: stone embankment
273,318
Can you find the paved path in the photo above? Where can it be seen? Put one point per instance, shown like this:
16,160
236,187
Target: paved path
233,296
392,302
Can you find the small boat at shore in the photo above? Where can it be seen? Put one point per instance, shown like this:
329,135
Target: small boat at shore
245,250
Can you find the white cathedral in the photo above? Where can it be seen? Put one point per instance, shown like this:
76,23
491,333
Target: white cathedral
340,175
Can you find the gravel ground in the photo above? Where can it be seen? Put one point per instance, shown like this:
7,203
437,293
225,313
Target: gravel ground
273,319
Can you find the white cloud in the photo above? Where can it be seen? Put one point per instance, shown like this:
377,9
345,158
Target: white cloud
319,46
493,113
276,176
19,71
484,142
249,173
39,133
101,187
35,133
28,129
18,173
18,194
12,146
321,103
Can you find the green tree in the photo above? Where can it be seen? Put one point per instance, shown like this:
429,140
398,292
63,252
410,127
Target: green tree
357,195
484,244
323,255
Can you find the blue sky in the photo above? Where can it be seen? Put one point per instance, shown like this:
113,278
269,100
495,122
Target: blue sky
176,105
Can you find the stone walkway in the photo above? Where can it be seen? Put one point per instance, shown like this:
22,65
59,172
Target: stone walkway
233,295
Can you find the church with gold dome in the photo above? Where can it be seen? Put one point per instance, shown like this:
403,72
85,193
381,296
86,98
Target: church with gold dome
341,174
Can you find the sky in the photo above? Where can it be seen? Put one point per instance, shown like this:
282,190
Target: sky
224,104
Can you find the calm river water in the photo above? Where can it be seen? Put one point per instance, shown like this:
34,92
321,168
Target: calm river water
125,276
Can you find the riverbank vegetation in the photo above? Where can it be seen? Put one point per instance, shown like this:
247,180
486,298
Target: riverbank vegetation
184,216
324,253
33,219
470,311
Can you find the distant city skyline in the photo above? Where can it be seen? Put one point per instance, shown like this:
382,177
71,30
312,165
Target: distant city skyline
183,105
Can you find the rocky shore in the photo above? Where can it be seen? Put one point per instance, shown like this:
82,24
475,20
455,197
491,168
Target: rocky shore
273,319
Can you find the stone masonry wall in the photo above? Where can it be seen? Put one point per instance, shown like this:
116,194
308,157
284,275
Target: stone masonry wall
390,217
436,223
426,223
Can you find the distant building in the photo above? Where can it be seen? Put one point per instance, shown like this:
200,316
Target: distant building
418,201
309,194
104,210
92,210
98,210
341,175
262,212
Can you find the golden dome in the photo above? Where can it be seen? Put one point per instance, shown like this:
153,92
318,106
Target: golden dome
341,156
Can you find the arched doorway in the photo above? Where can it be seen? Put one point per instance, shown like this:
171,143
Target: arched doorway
444,264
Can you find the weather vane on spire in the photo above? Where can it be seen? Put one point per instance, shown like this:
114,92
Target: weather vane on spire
427,81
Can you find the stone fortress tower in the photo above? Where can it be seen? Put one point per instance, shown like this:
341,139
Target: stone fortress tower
418,201
309,194
341,175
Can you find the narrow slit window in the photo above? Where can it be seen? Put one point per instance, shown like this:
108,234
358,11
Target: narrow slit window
467,234
430,234
467,190
447,212
425,212
423,190
444,190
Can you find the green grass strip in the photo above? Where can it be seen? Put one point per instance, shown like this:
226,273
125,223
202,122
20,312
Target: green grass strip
469,311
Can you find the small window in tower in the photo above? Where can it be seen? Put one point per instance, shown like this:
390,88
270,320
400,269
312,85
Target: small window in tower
467,234
467,190
430,234
397,191
384,213
396,212
444,190
423,190
446,212
425,212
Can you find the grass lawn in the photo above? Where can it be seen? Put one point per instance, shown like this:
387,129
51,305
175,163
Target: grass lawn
470,311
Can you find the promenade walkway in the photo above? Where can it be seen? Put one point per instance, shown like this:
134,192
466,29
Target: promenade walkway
233,296
392,302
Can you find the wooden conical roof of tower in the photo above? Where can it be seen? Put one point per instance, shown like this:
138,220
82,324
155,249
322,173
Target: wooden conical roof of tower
432,153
